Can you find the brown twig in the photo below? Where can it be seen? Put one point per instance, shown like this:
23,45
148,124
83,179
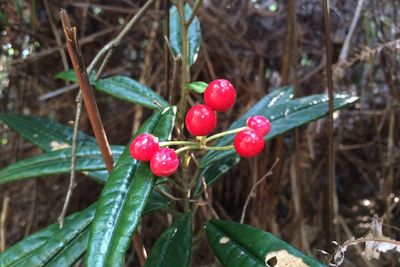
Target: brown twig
3,216
330,208
56,36
72,182
269,173
86,89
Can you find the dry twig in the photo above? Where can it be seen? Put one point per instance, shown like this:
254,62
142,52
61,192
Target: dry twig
269,173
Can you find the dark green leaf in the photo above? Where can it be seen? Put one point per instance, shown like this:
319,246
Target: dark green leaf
50,136
175,34
238,245
197,87
46,134
69,75
127,89
52,244
123,198
72,251
56,162
173,248
283,117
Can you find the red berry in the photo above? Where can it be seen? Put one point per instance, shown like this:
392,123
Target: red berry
200,120
248,143
144,146
220,95
164,162
260,124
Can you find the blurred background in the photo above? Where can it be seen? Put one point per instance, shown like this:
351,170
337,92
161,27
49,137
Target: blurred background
259,45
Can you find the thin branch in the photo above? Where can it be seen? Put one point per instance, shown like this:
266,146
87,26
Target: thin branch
196,7
331,156
269,173
86,89
56,36
72,183
345,48
116,41
3,216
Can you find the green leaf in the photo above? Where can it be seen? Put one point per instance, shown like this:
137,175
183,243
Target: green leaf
127,89
49,136
284,117
71,251
197,87
242,245
69,75
175,34
173,248
52,245
46,134
56,162
123,198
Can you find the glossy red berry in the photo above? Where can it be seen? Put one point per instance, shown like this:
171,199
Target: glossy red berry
248,143
260,124
144,146
220,95
164,162
200,120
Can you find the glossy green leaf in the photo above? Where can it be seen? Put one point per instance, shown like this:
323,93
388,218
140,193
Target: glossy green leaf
238,245
175,34
283,117
71,251
197,87
50,136
52,245
56,162
123,198
173,248
69,75
127,89
46,134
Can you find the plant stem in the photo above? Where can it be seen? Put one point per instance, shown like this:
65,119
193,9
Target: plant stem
218,135
186,148
196,7
219,147
331,156
177,143
185,77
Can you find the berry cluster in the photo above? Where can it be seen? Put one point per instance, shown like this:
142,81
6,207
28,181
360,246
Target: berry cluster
163,161
200,121
219,95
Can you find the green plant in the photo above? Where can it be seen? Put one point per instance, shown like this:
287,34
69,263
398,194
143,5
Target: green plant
102,233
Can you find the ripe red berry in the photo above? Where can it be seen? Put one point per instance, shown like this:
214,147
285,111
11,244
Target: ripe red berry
260,124
164,162
144,146
248,143
220,95
200,120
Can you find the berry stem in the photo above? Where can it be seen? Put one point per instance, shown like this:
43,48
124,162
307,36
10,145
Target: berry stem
185,148
219,147
218,135
177,143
